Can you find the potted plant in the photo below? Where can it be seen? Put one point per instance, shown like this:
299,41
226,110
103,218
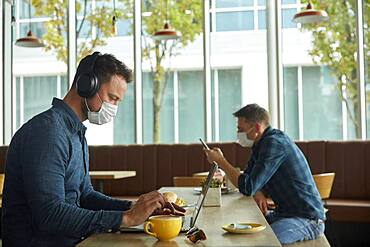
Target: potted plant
213,197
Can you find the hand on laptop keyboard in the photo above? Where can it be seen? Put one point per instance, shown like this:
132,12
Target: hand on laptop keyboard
170,209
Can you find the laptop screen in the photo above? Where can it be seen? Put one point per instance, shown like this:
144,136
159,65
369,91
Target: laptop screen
203,194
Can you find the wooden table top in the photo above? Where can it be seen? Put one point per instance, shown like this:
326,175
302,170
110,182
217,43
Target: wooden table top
111,174
235,208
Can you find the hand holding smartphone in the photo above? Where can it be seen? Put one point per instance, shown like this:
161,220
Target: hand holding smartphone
207,148
204,144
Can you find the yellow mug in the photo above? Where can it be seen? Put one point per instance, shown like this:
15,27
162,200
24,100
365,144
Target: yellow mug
163,227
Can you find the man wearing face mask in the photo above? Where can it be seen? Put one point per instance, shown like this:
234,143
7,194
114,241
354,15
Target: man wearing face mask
48,199
276,168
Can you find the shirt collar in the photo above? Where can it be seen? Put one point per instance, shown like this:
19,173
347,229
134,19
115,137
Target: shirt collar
265,132
69,114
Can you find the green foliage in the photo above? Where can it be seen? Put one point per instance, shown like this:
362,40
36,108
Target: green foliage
215,183
334,44
55,37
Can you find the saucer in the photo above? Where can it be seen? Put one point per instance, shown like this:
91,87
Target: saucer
244,227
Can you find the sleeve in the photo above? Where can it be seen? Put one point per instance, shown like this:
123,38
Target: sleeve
270,157
44,165
91,199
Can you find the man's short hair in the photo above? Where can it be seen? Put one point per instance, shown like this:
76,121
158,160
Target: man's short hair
106,66
253,113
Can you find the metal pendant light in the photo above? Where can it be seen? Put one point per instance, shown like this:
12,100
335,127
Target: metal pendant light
166,33
310,15
29,40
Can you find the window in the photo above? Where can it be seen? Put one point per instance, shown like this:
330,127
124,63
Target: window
191,106
37,28
234,21
166,113
237,15
34,95
226,99
291,118
287,17
318,90
234,3
124,124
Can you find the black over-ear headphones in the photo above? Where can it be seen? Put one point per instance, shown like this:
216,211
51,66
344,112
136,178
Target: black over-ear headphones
87,83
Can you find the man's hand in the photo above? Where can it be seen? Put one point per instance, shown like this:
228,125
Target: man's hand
261,201
215,155
143,208
170,208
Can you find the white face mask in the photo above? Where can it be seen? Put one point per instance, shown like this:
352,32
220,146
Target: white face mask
243,139
106,113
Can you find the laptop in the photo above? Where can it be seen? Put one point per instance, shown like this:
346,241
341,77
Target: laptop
188,221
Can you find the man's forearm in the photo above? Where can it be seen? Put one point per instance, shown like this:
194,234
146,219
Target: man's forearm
231,172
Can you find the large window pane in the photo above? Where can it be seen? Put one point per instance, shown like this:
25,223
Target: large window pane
38,93
261,19
167,108
166,113
124,124
191,106
233,3
37,29
322,107
234,21
229,101
289,1
291,120
287,18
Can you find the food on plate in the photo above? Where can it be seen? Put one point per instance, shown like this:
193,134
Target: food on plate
170,196
173,198
180,202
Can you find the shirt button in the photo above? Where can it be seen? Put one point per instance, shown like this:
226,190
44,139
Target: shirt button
110,230
82,238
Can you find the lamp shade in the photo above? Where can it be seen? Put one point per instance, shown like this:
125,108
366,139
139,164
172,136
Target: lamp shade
166,33
29,41
310,15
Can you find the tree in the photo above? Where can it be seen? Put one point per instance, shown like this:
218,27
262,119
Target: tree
185,16
56,27
334,44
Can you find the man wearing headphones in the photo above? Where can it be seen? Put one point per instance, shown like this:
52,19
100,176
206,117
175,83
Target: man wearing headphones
48,199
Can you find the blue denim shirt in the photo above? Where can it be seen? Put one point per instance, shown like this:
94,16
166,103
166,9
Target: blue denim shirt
48,199
278,167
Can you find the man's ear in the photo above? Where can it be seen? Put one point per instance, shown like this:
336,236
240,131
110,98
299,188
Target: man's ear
258,127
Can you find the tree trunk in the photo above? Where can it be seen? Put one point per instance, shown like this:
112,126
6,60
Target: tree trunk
157,86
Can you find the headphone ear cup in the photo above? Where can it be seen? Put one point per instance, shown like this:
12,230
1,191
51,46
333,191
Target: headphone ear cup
85,85
94,85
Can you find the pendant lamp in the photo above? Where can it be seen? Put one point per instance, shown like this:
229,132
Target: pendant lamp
29,40
166,33
310,15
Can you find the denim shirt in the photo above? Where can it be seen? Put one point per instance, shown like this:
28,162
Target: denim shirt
278,168
48,199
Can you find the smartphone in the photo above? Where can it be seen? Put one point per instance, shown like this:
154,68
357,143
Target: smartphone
207,148
204,144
